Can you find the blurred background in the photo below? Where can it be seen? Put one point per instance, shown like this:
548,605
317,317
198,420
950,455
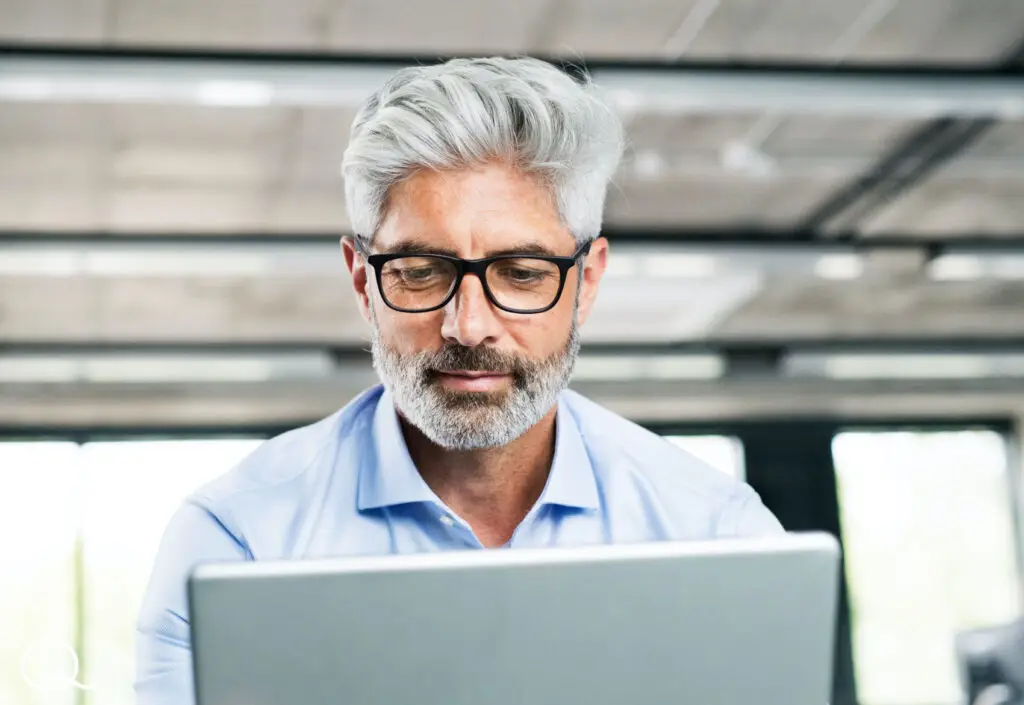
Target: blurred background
816,283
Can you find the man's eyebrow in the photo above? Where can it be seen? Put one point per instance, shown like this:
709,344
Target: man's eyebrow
417,247
526,249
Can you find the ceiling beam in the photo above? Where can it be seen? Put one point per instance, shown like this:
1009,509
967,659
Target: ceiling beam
915,158
691,235
678,88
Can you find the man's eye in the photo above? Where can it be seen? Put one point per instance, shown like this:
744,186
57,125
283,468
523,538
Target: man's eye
419,273
522,275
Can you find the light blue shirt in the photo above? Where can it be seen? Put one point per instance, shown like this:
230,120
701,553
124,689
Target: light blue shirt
346,486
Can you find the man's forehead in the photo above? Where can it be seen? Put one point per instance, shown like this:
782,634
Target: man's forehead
480,238
475,212
448,246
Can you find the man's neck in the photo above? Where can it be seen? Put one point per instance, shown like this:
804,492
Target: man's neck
491,489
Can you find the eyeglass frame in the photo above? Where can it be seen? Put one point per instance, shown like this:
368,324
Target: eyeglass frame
477,267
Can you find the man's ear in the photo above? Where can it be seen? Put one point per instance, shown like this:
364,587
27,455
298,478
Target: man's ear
592,269
356,264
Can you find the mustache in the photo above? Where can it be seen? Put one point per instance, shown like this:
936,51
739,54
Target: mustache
477,359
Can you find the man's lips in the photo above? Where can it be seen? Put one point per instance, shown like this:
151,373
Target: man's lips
472,374
472,380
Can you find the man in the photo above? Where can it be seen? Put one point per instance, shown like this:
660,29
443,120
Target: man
475,191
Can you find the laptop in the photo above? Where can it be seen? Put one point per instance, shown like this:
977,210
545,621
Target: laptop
730,622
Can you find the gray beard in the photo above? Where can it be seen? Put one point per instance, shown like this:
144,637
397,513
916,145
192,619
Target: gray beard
458,420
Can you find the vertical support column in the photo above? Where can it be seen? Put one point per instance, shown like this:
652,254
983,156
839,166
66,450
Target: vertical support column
1015,480
791,467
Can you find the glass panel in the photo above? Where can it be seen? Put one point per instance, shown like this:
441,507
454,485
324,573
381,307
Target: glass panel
723,453
524,283
38,529
417,282
929,541
131,491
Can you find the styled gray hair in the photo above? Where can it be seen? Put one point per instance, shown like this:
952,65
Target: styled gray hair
466,112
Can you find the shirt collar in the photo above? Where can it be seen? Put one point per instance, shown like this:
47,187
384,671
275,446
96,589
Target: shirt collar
393,478
571,482
390,478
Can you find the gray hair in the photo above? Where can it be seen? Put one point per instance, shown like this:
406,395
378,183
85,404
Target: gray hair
466,112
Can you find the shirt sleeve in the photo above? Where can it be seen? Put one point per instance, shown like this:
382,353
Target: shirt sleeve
745,516
163,674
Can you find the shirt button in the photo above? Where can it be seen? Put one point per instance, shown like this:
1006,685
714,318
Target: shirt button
447,520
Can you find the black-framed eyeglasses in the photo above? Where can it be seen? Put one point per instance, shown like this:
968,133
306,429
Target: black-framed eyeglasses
417,283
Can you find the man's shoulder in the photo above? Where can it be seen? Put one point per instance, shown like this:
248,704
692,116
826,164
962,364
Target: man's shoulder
635,461
622,446
697,500
291,457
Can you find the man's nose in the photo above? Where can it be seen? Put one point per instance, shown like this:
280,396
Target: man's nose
469,318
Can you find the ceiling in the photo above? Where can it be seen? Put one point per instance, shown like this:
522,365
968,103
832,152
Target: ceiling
776,197
900,31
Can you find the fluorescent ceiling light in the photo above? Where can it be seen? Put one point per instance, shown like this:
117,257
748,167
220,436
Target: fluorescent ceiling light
171,369
956,268
649,164
662,263
176,262
235,93
922,366
48,369
684,91
157,260
14,88
164,367
671,367
687,265
1012,109
839,267
676,91
193,81
745,159
39,262
968,266
608,368
710,260
623,265
907,366
1007,266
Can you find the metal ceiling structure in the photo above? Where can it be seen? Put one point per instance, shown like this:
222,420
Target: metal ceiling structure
837,175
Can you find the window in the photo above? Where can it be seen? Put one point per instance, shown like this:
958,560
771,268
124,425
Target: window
929,542
723,453
131,491
39,507
79,530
